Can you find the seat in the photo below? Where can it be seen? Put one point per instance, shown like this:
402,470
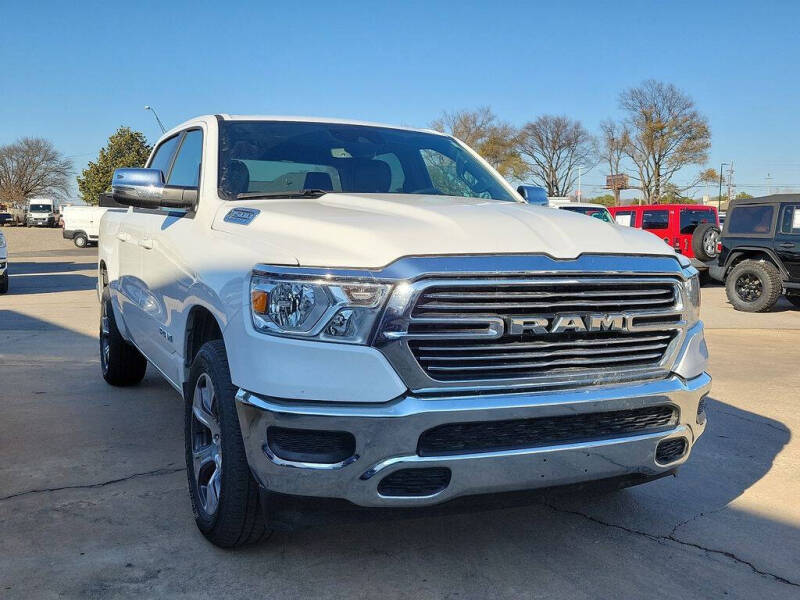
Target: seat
235,178
318,180
369,176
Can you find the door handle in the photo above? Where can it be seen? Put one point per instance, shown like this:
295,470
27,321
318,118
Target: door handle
786,245
123,237
146,243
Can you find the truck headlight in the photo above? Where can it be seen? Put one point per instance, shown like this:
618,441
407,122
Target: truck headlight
692,288
319,309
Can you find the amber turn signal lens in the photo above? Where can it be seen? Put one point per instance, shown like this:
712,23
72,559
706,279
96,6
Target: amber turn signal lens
259,299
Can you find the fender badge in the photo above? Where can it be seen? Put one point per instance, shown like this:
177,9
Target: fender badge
241,216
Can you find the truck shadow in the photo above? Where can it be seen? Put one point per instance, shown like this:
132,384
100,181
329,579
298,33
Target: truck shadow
50,277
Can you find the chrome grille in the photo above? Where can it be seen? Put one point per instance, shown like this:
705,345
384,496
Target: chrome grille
459,334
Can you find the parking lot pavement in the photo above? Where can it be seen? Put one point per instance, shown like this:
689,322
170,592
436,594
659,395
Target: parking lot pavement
93,500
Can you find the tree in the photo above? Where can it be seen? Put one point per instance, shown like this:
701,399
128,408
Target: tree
555,148
666,134
614,137
605,200
126,148
32,167
494,140
743,196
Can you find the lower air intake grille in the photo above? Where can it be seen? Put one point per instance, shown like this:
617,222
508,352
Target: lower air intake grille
311,445
489,436
415,482
670,450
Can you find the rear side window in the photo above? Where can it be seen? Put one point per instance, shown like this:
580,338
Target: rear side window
186,170
790,223
690,219
655,219
163,155
751,219
624,217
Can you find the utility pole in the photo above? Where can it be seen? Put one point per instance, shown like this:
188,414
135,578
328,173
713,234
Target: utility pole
155,114
719,198
730,182
769,187
580,197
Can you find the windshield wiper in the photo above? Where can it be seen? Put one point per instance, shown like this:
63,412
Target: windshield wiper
307,193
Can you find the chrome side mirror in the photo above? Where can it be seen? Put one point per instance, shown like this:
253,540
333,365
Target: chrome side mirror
533,194
144,188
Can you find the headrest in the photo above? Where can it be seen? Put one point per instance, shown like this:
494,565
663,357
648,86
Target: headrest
318,180
370,176
235,178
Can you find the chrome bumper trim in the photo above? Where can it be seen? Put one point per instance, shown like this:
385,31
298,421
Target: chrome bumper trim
387,434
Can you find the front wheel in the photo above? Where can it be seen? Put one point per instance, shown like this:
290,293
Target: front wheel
4,283
223,492
80,240
753,286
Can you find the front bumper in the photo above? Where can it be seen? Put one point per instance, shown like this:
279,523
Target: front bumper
387,435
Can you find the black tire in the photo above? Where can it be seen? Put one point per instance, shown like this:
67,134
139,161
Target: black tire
80,239
753,286
227,511
122,364
704,241
4,283
794,299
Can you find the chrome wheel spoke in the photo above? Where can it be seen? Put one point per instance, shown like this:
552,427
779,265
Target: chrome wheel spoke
206,444
204,455
212,493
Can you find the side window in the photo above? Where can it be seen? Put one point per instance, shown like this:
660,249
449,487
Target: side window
790,223
751,219
444,175
186,170
624,217
655,219
163,155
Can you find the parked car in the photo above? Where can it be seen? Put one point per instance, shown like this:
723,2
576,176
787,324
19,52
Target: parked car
691,229
760,257
42,213
372,313
598,211
6,218
82,223
3,264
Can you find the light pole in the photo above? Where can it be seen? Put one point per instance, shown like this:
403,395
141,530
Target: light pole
719,198
160,124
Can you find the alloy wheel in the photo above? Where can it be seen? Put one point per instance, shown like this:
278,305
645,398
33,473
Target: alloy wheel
710,242
206,444
749,287
105,342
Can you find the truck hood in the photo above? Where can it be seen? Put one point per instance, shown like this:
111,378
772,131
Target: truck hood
368,231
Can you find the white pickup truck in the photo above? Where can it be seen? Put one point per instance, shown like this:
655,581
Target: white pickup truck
371,313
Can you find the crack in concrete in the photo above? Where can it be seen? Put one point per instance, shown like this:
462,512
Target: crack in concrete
660,539
153,473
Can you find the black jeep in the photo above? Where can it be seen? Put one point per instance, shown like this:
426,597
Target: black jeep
760,257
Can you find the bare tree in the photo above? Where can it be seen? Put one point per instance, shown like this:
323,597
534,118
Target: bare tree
666,134
555,147
494,140
32,167
614,137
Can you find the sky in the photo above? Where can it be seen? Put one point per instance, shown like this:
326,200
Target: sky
73,72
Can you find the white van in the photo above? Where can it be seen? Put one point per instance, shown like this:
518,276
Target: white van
82,223
41,213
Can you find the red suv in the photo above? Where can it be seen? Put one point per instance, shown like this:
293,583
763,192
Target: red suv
692,229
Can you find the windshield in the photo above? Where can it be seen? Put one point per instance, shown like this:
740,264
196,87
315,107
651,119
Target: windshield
41,208
597,212
690,219
284,157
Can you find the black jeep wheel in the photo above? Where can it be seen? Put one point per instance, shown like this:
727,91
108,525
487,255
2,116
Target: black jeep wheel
224,494
753,286
4,283
121,363
704,241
